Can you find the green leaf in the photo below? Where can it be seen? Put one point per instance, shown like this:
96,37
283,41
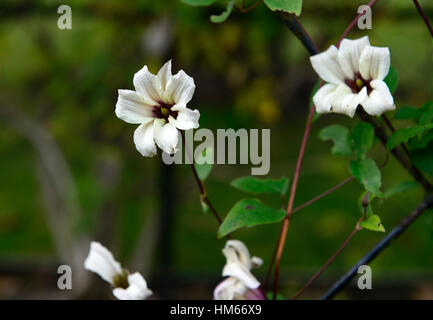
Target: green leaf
405,113
373,223
290,6
224,15
202,165
403,135
249,213
427,114
367,172
423,160
270,296
257,186
363,137
340,136
421,142
401,187
391,79
198,2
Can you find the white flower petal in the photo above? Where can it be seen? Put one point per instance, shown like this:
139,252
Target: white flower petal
324,97
346,102
349,54
101,261
374,63
327,67
241,272
166,136
180,89
379,100
148,86
131,108
164,75
256,262
137,289
186,118
229,288
144,139
236,251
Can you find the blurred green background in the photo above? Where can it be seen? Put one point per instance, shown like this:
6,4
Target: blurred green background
70,172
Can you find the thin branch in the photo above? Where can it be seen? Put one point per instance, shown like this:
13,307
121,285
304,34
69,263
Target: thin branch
381,246
250,8
330,260
352,24
286,221
322,195
201,186
298,30
423,16
398,154
391,127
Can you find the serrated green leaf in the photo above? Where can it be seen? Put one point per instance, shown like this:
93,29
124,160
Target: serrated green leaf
367,172
373,223
224,15
363,137
290,6
203,165
426,114
391,79
403,135
198,2
340,136
401,187
258,186
249,213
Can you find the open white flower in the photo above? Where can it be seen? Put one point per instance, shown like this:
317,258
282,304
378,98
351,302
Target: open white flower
240,284
126,286
354,74
158,104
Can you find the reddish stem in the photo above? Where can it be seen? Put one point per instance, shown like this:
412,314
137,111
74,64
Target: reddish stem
323,268
352,24
286,221
424,17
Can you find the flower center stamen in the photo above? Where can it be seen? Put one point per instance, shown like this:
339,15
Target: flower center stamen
121,280
358,84
163,111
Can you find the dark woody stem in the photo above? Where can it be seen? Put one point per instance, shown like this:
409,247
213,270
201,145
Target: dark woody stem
391,127
379,247
398,154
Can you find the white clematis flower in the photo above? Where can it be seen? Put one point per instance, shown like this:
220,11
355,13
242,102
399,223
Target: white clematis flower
126,286
158,104
354,74
240,284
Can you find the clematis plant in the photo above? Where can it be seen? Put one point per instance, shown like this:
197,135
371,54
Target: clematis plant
126,286
240,284
158,104
354,74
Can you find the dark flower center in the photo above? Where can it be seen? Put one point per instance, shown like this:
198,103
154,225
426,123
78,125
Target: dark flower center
358,84
121,280
163,110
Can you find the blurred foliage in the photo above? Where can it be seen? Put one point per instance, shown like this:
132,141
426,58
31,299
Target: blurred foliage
250,72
